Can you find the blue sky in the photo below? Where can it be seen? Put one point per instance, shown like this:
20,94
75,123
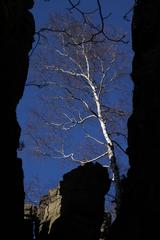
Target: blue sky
49,172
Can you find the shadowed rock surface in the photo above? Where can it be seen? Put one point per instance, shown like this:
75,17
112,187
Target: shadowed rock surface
74,210
82,205
140,208
17,30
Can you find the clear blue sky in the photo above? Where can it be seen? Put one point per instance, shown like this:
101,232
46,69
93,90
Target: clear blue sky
50,172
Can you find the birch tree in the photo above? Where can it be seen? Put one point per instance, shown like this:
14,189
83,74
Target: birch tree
78,77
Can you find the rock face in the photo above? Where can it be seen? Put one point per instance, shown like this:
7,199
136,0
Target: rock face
74,210
141,199
82,205
48,212
30,213
17,30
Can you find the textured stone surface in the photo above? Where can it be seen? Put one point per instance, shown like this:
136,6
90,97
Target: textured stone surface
75,209
48,212
17,29
140,208
30,212
82,205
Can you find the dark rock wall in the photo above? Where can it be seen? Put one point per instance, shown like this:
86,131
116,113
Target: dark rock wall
17,30
141,200
75,210
82,205
30,212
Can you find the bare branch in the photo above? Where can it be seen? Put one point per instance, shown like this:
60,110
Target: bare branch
70,156
37,43
100,30
82,120
127,13
75,6
104,72
83,102
73,122
95,139
87,63
119,134
120,147
93,38
71,59
115,110
35,84
58,69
